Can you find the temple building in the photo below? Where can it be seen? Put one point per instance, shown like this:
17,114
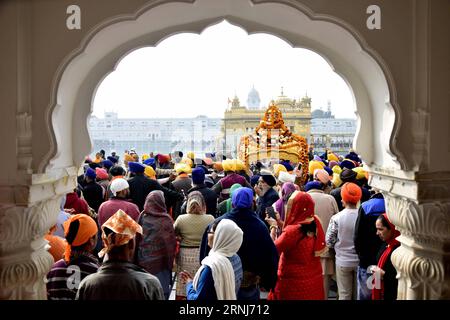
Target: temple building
328,132
242,120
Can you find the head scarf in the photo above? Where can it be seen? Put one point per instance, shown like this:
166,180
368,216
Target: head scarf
155,203
196,203
242,198
233,188
351,193
124,229
228,239
300,210
393,243
77,236
118,185
287,190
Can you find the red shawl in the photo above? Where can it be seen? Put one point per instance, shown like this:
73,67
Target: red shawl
300,210
378,293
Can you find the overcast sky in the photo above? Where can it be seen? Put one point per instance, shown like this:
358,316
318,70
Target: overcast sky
188,75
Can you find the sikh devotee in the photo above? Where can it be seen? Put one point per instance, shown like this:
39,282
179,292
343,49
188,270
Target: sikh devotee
118,278
81,236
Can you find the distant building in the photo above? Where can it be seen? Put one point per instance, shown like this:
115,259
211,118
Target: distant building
329,132
241,120
163,135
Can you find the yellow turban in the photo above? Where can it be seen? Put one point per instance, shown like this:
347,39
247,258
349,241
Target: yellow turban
360,173
145,156
337,169
239,165
149,172
277,168
332,157
336,180
313,165
191,155
183,167
229,165
187,161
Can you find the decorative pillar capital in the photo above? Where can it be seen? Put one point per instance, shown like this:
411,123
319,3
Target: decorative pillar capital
419,206
24,221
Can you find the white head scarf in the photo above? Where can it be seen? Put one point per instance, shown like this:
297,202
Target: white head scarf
118,185
227,241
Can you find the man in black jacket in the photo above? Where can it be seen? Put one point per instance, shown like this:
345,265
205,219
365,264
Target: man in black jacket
93,193
367,243
141,186
198,180
266,194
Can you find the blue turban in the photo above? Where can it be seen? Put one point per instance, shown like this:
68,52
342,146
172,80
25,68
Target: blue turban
107,164
313,185
112,159
347,164
287,165
90,173
198,175
136,167
150,162
254,180
327,169
353,156
242,198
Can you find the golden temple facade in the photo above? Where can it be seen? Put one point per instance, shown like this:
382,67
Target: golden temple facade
240,120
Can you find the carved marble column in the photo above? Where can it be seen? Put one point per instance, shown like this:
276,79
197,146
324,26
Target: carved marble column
24,220
420,209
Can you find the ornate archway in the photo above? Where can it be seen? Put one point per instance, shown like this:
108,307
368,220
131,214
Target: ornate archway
75,83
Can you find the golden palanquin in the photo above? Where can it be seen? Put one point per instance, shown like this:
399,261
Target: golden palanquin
272,140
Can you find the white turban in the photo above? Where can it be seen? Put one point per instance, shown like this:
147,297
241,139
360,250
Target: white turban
118,185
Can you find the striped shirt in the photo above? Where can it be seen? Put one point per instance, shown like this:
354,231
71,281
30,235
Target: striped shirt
64,279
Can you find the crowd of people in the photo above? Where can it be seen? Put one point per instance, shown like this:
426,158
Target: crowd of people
227,231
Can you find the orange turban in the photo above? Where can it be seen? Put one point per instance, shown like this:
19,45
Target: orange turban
218,166
78,230
351,193
124,229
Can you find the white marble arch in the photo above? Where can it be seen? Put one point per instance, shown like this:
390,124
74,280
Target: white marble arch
348,54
